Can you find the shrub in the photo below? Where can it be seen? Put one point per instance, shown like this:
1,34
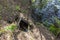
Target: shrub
54,29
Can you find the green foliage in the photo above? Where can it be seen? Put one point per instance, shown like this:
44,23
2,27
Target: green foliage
40,5
33,1
11,27
54,30
58,31
46,23
17,7
57,20
43,3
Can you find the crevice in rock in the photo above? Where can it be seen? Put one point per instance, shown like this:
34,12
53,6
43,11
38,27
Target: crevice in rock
23,25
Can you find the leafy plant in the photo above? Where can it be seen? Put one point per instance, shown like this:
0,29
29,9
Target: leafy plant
57,20
54,29
17,7
11,27
46,23
33,1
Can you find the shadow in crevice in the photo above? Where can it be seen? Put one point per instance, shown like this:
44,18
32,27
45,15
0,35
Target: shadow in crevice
23,25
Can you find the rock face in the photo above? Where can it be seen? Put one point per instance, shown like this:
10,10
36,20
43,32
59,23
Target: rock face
9,9
37,33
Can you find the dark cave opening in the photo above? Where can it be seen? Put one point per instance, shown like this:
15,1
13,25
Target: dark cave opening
23,25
